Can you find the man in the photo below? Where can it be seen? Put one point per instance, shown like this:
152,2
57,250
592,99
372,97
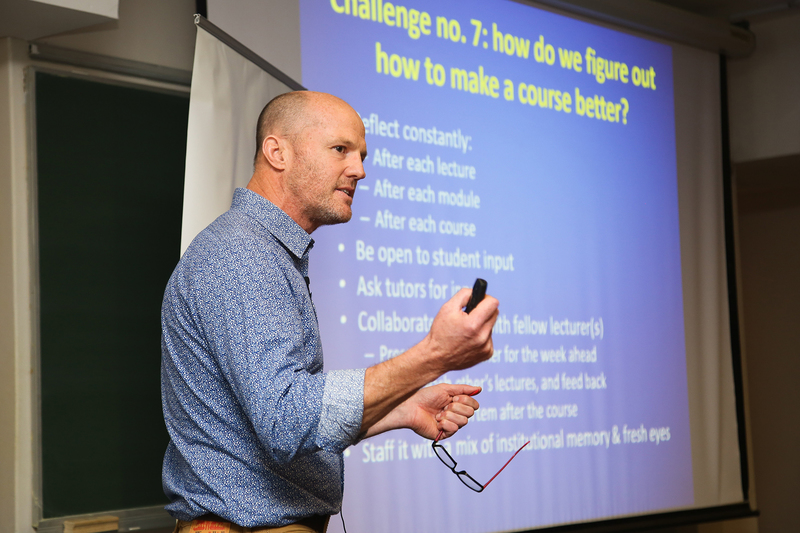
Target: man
257,429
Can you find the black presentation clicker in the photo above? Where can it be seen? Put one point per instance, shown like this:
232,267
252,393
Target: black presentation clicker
478,292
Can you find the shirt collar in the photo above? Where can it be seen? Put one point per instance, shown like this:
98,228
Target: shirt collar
274,220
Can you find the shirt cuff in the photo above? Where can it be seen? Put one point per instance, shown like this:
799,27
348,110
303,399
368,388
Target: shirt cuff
342,409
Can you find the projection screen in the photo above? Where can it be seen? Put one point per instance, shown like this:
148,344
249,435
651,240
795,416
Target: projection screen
577,168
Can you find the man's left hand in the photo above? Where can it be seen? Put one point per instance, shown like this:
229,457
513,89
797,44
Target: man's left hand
443,407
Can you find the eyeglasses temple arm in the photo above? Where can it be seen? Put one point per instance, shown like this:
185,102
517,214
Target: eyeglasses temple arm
505,465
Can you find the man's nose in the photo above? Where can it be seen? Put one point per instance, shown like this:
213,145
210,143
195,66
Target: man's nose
357,169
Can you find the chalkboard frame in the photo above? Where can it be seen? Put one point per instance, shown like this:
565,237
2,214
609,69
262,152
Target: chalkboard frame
150,518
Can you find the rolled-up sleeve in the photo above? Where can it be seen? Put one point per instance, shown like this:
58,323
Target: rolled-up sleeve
342,409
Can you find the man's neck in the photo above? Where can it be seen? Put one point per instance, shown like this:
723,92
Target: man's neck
267,186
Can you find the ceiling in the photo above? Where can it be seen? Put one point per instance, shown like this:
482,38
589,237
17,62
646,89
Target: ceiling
735,10
32,19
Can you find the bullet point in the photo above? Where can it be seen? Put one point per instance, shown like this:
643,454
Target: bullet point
343,320
341,247
342,283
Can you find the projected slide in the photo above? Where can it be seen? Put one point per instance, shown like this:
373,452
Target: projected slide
537,152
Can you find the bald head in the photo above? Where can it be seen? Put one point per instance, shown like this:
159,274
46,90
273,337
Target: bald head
311,151
288,115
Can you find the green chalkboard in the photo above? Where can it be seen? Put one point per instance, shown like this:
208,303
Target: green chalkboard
110,164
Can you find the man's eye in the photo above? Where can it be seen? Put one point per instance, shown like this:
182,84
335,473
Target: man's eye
340,149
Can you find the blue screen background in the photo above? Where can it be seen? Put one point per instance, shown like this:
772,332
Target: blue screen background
587,208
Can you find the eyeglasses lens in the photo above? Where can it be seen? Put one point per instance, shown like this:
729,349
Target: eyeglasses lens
467,480
442,454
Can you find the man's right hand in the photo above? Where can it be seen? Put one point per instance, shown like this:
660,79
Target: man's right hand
456,341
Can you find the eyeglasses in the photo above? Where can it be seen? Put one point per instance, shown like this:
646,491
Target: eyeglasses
466,479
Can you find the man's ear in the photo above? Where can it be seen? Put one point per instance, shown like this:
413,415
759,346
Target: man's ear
275,151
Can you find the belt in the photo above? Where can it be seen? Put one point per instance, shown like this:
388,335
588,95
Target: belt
211,523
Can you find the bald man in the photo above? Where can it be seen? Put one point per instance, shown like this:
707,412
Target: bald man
257,428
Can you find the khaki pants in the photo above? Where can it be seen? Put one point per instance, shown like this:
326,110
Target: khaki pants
214,524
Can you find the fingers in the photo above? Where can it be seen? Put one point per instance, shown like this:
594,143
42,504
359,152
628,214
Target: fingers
451,422
461,403
465,407
454,418
456,414
462,395
448,428
455,390
458,340
461,298
484,309
487,310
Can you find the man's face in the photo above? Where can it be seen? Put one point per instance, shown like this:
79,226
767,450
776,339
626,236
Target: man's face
327,164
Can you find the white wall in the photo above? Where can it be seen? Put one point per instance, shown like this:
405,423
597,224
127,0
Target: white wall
280,45
7,366
764,90
16,321
151,31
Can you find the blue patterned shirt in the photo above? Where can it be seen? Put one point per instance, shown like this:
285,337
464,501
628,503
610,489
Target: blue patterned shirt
257,429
